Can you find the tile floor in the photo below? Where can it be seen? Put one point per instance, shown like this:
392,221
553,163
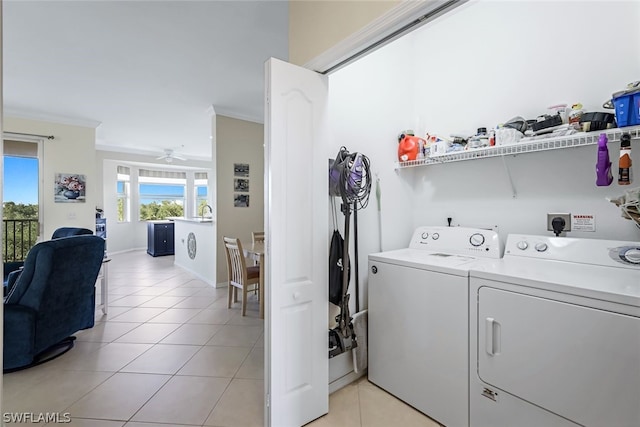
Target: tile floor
169,353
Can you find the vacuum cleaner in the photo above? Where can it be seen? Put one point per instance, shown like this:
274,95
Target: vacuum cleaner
350,180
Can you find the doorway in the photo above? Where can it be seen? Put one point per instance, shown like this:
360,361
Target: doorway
22,216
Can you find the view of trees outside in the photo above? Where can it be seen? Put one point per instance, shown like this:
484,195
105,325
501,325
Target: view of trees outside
201,199
156,209
161,200
160,210
121,216
12,210
20,206
19,230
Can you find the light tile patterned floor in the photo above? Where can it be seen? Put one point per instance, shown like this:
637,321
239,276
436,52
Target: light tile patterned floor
170,353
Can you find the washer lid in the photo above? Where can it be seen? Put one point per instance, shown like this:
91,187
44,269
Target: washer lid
613,284
458,265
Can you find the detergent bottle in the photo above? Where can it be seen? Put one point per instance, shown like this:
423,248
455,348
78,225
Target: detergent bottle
624,175
603,165
409,146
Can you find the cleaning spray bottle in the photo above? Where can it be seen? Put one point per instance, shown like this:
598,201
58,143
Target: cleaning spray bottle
624,174
603,165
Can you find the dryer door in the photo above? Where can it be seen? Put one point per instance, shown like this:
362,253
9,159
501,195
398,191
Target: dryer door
578,362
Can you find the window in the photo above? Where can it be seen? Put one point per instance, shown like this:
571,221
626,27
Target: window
201,192
123,192
162,194
20,182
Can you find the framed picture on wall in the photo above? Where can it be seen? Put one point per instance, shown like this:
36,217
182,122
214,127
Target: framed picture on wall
241,185
240,169
241,200
70,188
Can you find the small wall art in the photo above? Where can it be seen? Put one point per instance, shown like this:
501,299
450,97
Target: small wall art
241,169
241,185
241,200
70,188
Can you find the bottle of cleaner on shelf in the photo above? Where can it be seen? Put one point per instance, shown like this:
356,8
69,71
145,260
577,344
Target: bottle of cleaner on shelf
603,165
421,148
624,164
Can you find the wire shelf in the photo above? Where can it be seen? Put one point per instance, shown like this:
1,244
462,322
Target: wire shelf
560,142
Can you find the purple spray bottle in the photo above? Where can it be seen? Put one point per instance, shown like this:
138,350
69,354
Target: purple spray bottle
603,166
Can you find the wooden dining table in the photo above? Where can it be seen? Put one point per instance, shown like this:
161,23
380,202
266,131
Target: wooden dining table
256,251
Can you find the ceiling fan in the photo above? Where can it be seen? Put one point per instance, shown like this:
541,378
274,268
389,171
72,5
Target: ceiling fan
170,155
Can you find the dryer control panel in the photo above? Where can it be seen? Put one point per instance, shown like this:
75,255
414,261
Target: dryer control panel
476,242
611,253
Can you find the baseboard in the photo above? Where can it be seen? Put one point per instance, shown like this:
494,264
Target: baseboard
206,280
345,380
221,285
124,251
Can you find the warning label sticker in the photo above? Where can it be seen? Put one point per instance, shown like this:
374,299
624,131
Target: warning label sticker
583,223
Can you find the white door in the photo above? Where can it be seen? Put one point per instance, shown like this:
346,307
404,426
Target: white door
296,218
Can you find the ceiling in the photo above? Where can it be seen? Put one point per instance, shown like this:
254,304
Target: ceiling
146,73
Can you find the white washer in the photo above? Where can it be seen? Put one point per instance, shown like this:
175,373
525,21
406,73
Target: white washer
418,319
555,336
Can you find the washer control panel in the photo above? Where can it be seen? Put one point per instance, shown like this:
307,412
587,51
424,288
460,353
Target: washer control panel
610,253
626,254
457,240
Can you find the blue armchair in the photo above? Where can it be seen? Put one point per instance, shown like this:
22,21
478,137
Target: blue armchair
10,267
53,298
70,231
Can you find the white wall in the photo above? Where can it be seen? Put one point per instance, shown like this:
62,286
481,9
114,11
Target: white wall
493,71
72,151
370,102
477,66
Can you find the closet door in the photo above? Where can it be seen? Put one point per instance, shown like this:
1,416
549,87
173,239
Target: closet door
296,218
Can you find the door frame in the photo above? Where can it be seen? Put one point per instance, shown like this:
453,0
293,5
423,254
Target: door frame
397,22
39,141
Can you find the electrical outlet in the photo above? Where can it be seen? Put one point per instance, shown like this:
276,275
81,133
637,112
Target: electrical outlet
565,216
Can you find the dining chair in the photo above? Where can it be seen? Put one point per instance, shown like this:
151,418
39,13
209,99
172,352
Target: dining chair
240,276
257,236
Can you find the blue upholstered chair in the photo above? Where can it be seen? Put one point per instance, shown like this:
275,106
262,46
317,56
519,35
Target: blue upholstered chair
70,231
53,298
10,267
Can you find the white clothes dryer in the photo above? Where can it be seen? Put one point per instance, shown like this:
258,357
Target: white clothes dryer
555,338
418,319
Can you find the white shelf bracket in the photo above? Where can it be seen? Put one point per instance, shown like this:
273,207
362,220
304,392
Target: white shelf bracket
514,193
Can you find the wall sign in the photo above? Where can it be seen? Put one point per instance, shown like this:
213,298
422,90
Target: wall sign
583,222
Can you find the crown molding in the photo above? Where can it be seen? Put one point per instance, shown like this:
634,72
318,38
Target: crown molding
48,117
210,111
239,116
407,13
